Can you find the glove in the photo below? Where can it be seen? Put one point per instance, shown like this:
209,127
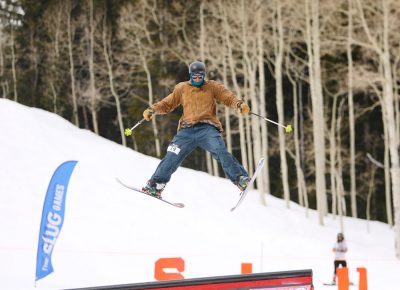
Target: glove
244,109
148,114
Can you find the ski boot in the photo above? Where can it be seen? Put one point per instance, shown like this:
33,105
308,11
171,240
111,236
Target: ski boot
153,188
243,182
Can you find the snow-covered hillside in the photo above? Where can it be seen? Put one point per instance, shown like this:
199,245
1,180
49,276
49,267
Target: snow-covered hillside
112,235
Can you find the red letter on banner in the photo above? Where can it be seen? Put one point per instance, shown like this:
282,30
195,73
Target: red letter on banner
176,264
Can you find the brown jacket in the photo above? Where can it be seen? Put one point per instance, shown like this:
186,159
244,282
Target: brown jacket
199,103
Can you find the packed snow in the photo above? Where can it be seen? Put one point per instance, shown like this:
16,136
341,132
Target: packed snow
112,235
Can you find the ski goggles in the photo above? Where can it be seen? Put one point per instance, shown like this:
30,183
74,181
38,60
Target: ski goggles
198,74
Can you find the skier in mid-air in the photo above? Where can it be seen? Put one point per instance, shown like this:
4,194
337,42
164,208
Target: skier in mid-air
199,126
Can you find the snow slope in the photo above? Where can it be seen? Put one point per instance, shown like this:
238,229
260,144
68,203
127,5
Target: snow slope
112,235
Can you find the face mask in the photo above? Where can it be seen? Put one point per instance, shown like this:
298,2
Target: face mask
197,78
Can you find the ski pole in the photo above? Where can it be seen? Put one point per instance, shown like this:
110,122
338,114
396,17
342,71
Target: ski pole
288,128
128,131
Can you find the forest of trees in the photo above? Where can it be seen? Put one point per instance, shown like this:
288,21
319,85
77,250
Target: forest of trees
329,68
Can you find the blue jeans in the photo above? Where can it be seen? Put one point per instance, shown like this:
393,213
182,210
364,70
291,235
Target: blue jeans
201,135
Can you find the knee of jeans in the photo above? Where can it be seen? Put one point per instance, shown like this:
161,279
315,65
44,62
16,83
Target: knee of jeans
217,145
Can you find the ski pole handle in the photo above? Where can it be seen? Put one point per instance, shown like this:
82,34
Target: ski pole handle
287,128
128,131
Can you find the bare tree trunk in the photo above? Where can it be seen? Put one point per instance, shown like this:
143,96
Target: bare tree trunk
371,185
212,165
299,169
13,61
339,155
279,50
34,65
58,30
332,157
85,117
2,41
75,115
313,47
396,92
228,130
264,128
54,93
249,92
55,55
340,192
228,42
107,55
150,96
301,183
386,165
255,127
5,88
247,126
388,196
3,83
92,86
339,175
251,60
394,138
245,64
353,192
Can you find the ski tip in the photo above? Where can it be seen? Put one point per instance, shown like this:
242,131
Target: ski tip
180,205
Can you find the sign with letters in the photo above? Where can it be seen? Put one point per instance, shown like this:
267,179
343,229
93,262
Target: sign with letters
52,217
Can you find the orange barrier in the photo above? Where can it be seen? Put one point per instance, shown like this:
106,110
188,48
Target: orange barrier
363,278
177,264
247,268
343,278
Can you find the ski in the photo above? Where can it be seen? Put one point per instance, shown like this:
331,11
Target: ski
335,284
244,193
176,204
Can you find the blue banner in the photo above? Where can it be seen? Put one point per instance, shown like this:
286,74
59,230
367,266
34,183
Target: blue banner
52,217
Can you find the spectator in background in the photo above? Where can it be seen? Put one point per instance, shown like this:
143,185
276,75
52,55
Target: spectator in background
340,249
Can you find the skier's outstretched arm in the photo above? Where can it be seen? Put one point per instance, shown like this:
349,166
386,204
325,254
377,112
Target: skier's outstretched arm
166,105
